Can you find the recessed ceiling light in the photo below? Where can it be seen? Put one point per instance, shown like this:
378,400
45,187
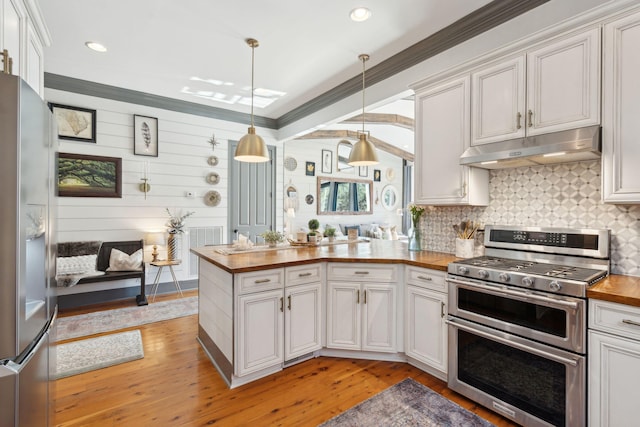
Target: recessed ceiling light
98,47
360,14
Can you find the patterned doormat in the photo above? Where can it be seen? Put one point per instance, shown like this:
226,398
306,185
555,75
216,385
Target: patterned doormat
86,355
113,320
407,403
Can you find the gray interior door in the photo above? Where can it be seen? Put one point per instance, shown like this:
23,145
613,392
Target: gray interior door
251,198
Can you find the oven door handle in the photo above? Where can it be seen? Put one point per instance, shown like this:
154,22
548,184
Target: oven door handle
506,342
522,295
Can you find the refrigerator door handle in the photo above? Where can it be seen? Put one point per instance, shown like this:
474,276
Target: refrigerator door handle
17,367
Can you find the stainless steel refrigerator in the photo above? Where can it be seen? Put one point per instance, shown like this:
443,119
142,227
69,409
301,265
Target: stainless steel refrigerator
27,255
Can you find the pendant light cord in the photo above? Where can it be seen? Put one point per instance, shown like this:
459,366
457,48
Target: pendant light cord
364,58
253,50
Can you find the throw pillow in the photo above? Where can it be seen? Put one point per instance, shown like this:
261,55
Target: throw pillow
120,261
83,264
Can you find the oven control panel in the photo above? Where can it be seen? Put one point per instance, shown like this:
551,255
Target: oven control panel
566,241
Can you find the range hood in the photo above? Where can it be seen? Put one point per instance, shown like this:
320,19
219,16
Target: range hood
558,147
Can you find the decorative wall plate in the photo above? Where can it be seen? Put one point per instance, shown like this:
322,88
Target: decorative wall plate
391,174
213,178
212,198
213,160
290,164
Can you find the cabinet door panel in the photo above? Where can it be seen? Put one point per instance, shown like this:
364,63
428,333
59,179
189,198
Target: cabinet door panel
563,84
260,331
343,316
379,318
621,109
426,334
497,102
12,32
614,375
303,317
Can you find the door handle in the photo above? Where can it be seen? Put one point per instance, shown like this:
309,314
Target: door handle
530,114
289,302
281,304
365,296
518,118
441,309
358,296
7,62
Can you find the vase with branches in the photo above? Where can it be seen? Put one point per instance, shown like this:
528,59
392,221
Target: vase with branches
175,226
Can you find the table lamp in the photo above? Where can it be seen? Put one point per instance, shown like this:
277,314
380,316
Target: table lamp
155,239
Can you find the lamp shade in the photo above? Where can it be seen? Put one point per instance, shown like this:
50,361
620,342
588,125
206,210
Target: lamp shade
251,148
154,238
363,153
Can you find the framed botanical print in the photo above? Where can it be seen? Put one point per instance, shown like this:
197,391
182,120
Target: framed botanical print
376,175
327,161
89,176
75,123
145,136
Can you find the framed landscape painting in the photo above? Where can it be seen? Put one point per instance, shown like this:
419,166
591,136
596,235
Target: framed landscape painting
80,175
145,136
75,123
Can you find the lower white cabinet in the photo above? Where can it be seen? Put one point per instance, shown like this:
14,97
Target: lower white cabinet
425,327
259,332
303,320
614,364
361,316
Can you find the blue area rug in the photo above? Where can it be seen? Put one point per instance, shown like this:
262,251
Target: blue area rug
407,403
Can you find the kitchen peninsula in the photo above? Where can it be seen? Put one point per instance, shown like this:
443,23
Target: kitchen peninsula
261,311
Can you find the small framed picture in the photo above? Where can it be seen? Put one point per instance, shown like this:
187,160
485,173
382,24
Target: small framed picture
363,170
377,175
310,169
75,123
327,161
89,176
145,136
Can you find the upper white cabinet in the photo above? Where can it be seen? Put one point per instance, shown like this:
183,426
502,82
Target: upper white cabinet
621,110
553,87
23,35
442,135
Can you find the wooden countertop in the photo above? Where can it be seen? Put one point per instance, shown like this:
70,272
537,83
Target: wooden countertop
376,251
617,288
614,288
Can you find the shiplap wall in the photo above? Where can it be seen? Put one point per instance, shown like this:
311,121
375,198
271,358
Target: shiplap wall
310,150
181,166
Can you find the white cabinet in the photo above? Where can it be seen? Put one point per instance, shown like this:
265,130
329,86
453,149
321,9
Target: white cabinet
23,35
361,307
259,321
260,331
559,90
425,327
442,134
614,364
361,316
621,109
303,312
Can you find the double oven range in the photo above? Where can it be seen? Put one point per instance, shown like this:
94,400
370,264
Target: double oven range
517,322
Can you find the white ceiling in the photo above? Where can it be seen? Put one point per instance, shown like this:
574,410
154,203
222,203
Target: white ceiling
306,47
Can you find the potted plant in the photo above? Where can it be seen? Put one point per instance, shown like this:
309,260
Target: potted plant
314,224
272,237
330,232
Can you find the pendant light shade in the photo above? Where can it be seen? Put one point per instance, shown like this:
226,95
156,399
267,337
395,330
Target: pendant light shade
251,147
363,152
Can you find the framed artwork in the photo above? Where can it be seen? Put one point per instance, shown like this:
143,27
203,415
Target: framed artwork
363,170
310,169
80,175
327,161
377,175
145,136
75,123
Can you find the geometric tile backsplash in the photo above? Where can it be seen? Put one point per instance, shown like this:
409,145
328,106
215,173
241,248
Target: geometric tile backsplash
562,195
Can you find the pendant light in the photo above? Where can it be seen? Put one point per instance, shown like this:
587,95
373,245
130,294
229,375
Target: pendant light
251,147
363,152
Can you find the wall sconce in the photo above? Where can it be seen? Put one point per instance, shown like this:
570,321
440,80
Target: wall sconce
145,187
154,238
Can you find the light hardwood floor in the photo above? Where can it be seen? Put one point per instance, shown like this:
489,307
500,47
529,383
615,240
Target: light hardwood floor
175,384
